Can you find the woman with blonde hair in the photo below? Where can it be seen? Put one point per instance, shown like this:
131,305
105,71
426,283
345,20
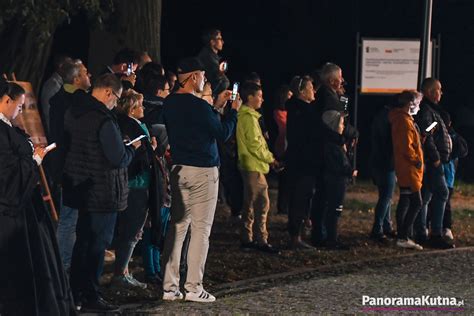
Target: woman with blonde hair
142,183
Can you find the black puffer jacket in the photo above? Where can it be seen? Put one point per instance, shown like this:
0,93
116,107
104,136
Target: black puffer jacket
438,144
91,182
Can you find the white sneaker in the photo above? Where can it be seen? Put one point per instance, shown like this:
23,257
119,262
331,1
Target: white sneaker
203,297
448,233
172,295
408,244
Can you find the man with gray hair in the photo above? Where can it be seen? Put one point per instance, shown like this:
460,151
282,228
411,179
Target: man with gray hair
75,77
329,97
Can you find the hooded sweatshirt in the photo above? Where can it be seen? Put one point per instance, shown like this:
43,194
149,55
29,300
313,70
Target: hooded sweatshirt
252,147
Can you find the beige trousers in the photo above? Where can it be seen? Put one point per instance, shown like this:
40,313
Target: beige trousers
255,207
194,198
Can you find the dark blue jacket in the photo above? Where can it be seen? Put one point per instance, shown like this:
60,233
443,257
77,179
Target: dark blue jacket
193,128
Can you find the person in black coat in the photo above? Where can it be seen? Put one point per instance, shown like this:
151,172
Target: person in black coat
31,273
213,65
330,97
142,183
383,174
76,77
337,172
437,150
95,181
303,156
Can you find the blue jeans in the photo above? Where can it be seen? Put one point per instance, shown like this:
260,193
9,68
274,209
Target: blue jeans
94,233
435,190
385,181
66,233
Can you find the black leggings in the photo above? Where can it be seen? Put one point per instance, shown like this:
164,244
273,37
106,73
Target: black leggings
409,205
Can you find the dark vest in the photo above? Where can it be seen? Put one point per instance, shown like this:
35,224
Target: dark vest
90,182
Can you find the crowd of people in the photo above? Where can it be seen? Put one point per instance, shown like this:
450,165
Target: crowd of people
141,152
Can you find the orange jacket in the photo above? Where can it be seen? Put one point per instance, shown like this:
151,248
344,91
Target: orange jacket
407,150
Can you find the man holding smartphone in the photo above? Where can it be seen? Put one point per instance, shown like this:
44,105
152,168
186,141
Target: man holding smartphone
437,150
193,128
213,65
95,182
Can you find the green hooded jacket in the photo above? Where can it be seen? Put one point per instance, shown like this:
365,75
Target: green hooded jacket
252,147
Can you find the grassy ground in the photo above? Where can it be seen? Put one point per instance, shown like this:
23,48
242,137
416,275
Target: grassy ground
227,263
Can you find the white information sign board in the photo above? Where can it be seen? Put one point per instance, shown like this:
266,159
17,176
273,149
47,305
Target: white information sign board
391,66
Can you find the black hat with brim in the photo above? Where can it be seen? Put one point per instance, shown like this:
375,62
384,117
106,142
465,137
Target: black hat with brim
190,64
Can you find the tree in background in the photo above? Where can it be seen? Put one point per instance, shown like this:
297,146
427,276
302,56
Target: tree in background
27,29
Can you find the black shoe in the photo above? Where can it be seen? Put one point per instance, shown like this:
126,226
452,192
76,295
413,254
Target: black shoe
439,242
98,305
337,245
421,239
268,249
392,234
380,238
318,243
246,246
153,279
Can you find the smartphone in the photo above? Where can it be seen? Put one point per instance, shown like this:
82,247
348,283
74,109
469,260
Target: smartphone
430,128
224,66
129,69
50,147
235,90
135,140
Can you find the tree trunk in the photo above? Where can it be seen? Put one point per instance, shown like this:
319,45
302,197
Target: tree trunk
23,54
140,25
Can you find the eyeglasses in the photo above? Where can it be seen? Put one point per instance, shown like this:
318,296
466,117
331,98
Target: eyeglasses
115,94
219,39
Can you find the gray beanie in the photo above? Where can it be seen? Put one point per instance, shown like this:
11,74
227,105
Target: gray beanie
331,119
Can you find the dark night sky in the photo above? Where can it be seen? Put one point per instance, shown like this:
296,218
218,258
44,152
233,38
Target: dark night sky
282,38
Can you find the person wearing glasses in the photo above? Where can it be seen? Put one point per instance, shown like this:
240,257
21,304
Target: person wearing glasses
193,127
95,181
33,279
214,66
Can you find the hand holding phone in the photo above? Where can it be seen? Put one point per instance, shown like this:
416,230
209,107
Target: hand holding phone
129,69
223,66
235,90
50,147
